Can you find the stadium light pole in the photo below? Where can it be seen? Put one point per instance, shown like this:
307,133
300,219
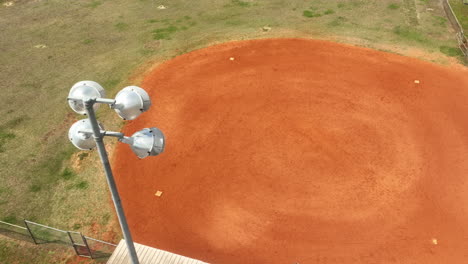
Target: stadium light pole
87,134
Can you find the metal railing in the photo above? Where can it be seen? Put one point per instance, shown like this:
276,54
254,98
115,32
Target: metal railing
41,234
461,38
15,231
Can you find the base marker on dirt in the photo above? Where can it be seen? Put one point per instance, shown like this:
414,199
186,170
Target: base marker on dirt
416,81
434,241
158,194
232,58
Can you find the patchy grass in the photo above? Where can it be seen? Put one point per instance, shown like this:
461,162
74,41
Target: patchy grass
121,26
105,219
82,185
35,188
393,6
451,51
4,138
87,41
240,3
110,84
408,33
310,13
411,12
68,174
461,11
21,252
164,33
439,21
10,219
94,4
339,21
83,155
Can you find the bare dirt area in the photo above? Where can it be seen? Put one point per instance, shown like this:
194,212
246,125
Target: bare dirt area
302,151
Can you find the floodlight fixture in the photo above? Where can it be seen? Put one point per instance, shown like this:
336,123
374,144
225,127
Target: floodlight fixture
130,102
81,134
82,91
146,142
84,98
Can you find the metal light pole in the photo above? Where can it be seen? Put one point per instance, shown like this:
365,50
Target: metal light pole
85,134
98,138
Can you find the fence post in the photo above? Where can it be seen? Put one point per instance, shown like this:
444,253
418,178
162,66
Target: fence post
29,230
87,246
73,243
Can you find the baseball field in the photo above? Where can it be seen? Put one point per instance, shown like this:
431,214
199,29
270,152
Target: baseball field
297,131
302,151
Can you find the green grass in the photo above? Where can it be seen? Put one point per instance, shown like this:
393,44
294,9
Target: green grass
164,33
410,34
310,13
35,188
82,156
105,219
10,219
68,174
439,21
393,6
5,137
82,185
44,254
451,51
240,3
94,4
87,41
121,26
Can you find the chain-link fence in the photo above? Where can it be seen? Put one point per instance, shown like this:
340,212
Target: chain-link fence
461,38
41,234
15,231
99,248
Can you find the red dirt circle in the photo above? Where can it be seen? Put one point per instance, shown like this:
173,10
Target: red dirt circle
290,150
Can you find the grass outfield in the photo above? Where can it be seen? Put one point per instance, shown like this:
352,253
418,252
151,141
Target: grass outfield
48,45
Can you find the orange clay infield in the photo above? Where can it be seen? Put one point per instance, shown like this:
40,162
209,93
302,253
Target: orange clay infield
302,151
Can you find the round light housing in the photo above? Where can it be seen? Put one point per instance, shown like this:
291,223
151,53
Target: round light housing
148,142
81,135
131,101
82,91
